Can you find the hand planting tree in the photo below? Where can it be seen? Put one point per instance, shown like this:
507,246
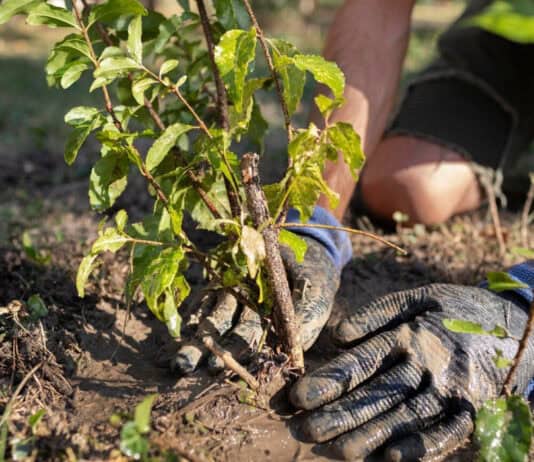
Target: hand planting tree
188,85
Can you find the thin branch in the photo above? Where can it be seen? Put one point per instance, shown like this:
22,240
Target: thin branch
525,216
230,362
222,99
284,317
24,381
529,328
494,211
348,230
270,64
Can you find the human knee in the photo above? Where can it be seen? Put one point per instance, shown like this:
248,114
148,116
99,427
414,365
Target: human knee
423,180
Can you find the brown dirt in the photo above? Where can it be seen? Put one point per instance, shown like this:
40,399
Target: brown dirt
90,371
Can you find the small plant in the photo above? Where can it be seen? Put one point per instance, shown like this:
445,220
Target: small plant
187,85
134,443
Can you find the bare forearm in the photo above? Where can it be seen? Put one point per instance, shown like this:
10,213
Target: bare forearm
368,40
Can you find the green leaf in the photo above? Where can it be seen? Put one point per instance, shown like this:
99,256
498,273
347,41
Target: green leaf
73,43
173,321
343,138
231,14
293,78
113,9
233,55
84,271
72,73
108,180
139,87
253,246
168,66
34,419
504,430
500,361
164,144
499,281
142,414
51,16
133,444
10,8
326,105
77,138
37,307
135,45
523,252
32,252
121,218
513,20
295,242
81,115
468,327
159,275
109,241
114,67
323,71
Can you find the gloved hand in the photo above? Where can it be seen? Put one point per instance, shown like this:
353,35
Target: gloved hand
411,384
314,283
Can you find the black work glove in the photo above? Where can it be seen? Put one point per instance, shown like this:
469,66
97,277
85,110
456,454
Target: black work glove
411,384
314,283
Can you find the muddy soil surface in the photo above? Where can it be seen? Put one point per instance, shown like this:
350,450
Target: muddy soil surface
87,363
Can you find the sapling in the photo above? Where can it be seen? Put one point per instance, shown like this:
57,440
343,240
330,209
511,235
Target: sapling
186,85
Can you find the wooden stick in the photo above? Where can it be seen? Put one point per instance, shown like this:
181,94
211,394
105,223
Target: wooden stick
230,362
526,213
284,318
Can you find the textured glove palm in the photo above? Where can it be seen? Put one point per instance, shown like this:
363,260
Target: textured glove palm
411,384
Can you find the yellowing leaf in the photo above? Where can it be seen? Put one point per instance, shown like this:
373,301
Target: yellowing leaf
84,270
253,246
345,139
323,71
295,242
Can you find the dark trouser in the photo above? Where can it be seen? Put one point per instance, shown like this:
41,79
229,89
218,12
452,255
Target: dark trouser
477,98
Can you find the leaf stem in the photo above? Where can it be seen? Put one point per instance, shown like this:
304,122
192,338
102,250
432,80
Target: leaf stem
270,65
348,230
526,212
529,328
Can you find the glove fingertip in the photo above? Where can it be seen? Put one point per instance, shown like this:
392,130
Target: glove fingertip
311,392
346,332
186,360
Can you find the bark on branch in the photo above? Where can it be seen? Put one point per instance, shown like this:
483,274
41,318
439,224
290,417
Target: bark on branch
284,318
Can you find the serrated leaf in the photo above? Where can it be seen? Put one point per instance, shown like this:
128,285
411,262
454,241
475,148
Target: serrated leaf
51,16
343,138
295,242
233,55
253,247
140,86
461,326
293,78
10,8
114,67
142,414
84,271
81,115
135,45
113,9
164,144
513,20
323,71
499,281
110,241
108,180
168,66
504,430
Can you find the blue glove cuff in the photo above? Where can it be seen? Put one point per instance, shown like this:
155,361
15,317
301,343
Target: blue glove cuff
524,273
336,242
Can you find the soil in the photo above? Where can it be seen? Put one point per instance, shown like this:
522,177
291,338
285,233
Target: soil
96,362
